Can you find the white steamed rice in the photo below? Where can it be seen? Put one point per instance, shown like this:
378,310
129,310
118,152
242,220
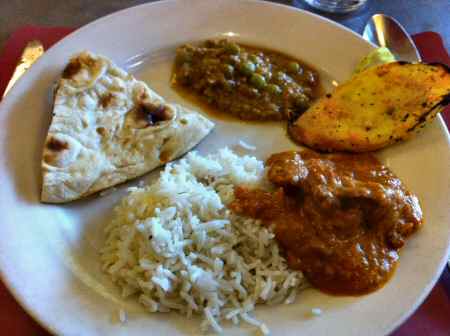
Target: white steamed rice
175,246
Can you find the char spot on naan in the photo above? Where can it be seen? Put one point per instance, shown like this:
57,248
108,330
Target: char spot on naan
165,155
61,150
106,99
72,68
101,130
84,123
166,151
56,144
146,114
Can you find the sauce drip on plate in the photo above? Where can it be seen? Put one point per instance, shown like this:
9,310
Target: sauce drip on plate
341,218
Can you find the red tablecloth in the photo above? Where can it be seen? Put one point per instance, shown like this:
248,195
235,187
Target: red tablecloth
432,317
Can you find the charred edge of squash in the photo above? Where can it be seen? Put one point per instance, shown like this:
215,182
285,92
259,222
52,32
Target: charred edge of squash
443,65
436,64
425,117
445,100
440,105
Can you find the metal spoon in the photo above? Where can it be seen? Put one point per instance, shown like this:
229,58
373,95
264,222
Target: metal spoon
385,31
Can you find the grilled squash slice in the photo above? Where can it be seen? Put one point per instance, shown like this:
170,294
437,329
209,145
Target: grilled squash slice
375,108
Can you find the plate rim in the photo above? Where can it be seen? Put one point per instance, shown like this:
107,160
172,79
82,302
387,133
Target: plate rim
101,20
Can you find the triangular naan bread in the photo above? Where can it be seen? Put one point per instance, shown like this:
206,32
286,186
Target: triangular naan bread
107,128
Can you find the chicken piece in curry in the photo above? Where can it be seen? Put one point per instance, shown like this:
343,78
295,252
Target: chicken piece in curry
341,218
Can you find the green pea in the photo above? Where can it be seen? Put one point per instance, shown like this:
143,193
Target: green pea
293,67
232,48
274,89
247,68
280,76
254,58
227,69
258,81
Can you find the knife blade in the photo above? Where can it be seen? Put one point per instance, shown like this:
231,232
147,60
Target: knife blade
32,51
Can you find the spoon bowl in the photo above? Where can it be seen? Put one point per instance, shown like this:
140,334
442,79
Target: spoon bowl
385,31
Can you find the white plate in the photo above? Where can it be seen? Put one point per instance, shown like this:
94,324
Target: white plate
49,253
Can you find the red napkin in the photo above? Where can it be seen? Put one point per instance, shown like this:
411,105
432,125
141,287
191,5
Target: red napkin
432,49
432,317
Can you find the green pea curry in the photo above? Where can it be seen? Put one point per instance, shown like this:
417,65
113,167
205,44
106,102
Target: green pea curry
246,82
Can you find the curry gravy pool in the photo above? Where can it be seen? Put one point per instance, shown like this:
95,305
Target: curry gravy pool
341,218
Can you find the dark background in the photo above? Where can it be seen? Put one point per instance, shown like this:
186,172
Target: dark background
415,15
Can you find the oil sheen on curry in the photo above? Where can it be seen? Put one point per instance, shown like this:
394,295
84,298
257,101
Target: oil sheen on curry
340,218
246,82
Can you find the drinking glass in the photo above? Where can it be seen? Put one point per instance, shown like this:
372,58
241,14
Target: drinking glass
336,6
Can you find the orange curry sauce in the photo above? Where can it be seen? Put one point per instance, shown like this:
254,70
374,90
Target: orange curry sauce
341,218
